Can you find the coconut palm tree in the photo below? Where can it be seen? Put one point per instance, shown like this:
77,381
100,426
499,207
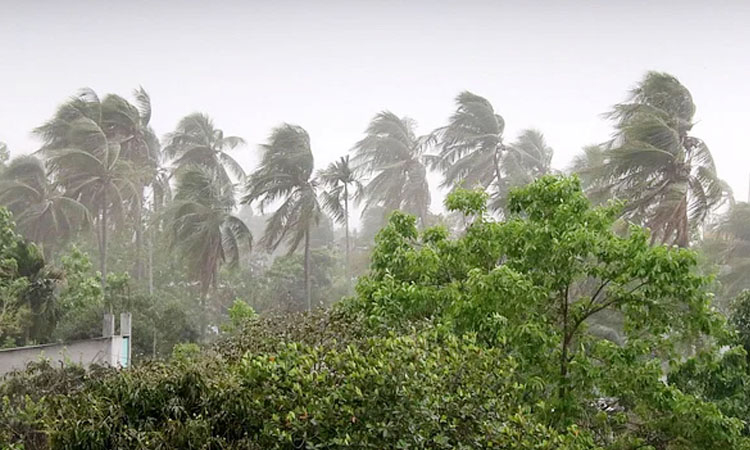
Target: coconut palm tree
391,154
472,151
42,212
285,174
197,141
141,148
527,158
666,176
83,152
341,183
203,227
727,244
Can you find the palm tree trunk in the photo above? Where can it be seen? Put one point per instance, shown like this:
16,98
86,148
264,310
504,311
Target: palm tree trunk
346,232
150,249
139,270
103,248
308,286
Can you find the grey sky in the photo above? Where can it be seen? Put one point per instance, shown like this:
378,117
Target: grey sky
329,66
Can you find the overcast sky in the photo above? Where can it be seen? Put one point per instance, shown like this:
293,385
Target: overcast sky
329,66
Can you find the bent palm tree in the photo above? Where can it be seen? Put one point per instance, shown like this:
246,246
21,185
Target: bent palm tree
87,161
667,176
392,153
472,152
285,174
197,141
42,212
203,227
341,182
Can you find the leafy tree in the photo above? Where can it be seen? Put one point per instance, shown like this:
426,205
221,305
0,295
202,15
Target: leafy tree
197,142
533,283
83,146
28,308
666,175
285,174
43,213
472,152
341,183
204,228
391,153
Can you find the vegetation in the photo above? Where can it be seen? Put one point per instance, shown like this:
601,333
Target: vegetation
603,309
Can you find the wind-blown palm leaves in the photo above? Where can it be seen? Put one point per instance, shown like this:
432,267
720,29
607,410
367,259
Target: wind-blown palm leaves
285,175
84,154
391,153
727,243
197,141
666,176
203,227
341,183
41,211
472,152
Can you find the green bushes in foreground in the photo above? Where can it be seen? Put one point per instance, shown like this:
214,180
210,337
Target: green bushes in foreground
545,331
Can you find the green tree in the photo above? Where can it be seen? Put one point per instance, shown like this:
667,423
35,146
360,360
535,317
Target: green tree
82,148
28,308
534,283
666,175
203,227
341,184
391,154
472,151
286,174
43,213
197,142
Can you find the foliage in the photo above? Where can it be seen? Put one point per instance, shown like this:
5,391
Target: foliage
667,176
391,154
285,174
472,152
532,285
28,310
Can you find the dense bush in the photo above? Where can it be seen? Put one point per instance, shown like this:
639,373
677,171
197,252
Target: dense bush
477,341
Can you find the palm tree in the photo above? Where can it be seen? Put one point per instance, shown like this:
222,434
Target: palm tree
666,176
42,212
341,182
472,151
84,154
391,153
4,155
526,159
197,141
285,174
203,227
727,243
140,147
588,166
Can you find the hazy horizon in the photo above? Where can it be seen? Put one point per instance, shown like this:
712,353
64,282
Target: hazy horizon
330,66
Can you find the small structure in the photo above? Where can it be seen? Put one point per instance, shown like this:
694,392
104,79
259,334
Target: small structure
110,349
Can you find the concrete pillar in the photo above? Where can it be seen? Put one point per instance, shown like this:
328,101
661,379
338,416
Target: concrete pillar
108,325
126,320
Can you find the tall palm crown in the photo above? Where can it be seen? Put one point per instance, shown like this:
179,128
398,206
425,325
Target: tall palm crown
203,226
197,141
391,153
83,148
666,176
285,175
42,212
340,182
728,243
472,151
